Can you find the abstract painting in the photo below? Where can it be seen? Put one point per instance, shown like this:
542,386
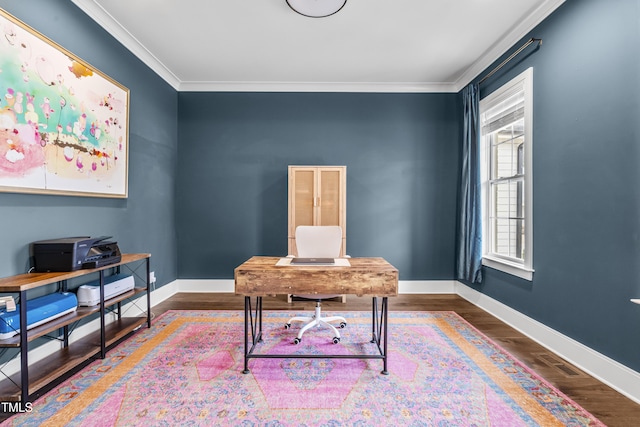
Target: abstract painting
63,123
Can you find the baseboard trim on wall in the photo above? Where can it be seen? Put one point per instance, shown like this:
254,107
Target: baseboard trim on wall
608,371
404,286
427,286
204,285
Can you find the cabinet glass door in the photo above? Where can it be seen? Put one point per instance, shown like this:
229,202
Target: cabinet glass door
304,197
329,197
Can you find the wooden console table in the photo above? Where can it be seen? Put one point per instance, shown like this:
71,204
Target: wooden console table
260,276
32,378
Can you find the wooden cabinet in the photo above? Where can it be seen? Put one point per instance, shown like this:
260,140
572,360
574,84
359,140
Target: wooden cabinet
317,196
34,377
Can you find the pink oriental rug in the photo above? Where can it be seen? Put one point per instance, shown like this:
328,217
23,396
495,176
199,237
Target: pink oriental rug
187,370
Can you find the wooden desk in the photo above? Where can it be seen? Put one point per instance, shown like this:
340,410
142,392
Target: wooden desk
260,276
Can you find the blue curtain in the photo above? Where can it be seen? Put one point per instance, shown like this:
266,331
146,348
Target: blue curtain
469,261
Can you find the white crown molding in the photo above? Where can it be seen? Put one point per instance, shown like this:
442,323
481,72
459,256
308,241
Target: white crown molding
374,87
499,49
106,21
113,27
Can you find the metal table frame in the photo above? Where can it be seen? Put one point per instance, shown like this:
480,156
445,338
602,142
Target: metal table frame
253,326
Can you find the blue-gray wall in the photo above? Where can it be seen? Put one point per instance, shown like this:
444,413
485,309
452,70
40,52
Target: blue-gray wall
401,153
145,221
586,148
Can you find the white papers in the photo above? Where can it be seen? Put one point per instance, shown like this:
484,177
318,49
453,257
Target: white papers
339,262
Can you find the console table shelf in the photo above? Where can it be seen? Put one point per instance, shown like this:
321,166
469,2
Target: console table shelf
45,371
56,365
67,319
33,377
26,281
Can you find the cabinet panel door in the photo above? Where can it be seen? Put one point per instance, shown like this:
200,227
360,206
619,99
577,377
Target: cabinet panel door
330,197
304,197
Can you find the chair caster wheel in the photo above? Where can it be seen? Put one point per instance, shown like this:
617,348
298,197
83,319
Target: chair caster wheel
287,326
336,340
343,325
296,341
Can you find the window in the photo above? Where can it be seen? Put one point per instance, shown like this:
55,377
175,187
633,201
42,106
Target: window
506,127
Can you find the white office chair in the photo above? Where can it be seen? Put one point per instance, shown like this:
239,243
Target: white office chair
318,242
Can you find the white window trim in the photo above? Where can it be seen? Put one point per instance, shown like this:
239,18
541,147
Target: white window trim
506,266
524,270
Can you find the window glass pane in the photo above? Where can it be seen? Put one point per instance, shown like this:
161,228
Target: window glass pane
509,238
507,151
506,199
508,218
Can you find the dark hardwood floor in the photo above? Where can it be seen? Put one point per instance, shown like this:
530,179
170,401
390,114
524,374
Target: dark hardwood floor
609,406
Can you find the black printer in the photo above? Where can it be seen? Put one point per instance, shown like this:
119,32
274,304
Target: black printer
74,253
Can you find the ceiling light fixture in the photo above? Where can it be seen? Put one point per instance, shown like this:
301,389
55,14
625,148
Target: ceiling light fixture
316,8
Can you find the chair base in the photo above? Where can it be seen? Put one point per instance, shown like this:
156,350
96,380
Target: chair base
342,298
316,321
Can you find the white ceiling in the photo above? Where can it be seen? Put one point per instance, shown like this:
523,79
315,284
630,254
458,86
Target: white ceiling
369,46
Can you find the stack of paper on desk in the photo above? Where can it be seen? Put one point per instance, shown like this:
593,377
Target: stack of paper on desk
337,262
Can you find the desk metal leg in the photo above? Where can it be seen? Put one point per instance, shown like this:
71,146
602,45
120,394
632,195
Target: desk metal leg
379,331
258,335
148,293
374,319
384,320
255,325
247,312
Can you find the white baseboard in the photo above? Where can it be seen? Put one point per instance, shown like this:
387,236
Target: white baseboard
404,286
605,369
205,285
427,286
614,374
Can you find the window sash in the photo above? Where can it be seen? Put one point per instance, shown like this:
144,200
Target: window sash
507,151
507,219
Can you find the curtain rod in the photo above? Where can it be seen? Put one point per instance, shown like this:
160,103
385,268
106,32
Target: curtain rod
513,55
